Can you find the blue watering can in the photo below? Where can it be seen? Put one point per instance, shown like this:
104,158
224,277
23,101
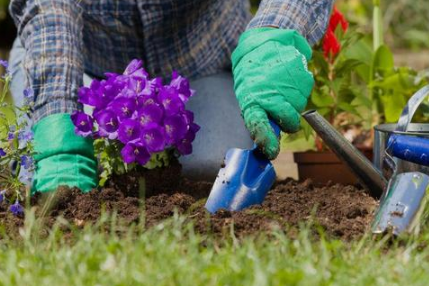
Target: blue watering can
245,179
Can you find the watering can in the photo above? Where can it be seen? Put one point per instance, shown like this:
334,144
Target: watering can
403,181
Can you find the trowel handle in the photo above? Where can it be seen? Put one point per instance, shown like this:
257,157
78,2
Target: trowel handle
409,148
275,127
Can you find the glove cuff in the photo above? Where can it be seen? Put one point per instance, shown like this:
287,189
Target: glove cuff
54,135
254,38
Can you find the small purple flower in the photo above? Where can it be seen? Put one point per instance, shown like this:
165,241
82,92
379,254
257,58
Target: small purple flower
153,138
4,63
123,107
28,93
108,123
170,100
16,209
129,130
182,86
2,195
27,162
133,66
2,152
149,114
133,152
185,145
25,136
83,123
175,129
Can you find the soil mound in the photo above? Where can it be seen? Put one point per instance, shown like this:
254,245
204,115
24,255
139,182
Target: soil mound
341,211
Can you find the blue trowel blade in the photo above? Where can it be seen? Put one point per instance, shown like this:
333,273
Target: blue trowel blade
244,181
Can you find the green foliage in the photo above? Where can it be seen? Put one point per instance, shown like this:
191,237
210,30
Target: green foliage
110,160
15,143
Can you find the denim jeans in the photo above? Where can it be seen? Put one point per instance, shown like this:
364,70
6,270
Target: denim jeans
214,105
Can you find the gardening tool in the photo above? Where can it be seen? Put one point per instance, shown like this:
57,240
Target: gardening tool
403,206
369,176
245,179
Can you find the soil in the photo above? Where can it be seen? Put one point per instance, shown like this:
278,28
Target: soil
341,211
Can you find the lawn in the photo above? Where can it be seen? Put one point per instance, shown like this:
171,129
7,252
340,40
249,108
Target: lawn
171,253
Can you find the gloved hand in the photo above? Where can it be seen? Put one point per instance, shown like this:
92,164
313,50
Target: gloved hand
62,158
271,81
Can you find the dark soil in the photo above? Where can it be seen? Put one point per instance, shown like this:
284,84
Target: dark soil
341,211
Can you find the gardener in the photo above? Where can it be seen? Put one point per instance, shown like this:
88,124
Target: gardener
60,40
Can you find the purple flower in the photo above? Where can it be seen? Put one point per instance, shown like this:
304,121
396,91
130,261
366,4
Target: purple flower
4,63
153,138
108,123
185,145
133,152
83,123
175,129
28,93
147,100
129,130
16,209
133,66
89,97
182,86
2,193
27,162
25,136
170,100
149,114
2,152
123,107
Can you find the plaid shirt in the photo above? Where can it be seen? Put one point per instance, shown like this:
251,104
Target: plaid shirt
65,38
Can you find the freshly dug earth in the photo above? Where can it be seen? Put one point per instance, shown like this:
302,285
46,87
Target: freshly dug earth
341,211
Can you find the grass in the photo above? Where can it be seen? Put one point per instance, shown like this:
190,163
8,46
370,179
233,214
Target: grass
172,254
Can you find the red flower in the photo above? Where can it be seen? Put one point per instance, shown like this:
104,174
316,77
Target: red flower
331,45
336,19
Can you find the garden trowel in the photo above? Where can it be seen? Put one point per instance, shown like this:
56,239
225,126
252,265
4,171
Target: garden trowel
245,179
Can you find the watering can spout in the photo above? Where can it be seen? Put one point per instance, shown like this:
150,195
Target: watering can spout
368,175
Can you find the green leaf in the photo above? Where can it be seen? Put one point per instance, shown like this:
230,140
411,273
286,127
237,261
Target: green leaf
347,66
321,99
383,59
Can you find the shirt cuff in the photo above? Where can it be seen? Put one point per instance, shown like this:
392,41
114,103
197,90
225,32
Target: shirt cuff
308,17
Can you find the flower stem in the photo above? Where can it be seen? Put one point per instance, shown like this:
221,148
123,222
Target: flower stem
377,25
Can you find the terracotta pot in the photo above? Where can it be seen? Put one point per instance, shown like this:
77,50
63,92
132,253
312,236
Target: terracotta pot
322,167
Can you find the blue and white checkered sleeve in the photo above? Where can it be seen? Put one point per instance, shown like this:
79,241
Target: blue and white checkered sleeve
309,17
51,33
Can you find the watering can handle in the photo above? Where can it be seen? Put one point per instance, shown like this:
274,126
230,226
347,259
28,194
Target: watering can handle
411,108
410,148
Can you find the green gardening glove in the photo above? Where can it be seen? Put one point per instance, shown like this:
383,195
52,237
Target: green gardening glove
271,81
62,157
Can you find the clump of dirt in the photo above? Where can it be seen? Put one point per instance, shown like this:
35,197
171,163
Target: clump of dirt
342,211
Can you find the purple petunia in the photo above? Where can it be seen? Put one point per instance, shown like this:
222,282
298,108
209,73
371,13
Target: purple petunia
2,152
175,129
139,113
129,130
16,209
83,123
153,138
133,152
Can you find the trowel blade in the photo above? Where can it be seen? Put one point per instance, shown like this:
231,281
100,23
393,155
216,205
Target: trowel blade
245,179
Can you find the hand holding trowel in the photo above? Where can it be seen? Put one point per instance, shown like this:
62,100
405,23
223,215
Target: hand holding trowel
271,81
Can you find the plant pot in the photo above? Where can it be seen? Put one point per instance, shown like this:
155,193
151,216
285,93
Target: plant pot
324,167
